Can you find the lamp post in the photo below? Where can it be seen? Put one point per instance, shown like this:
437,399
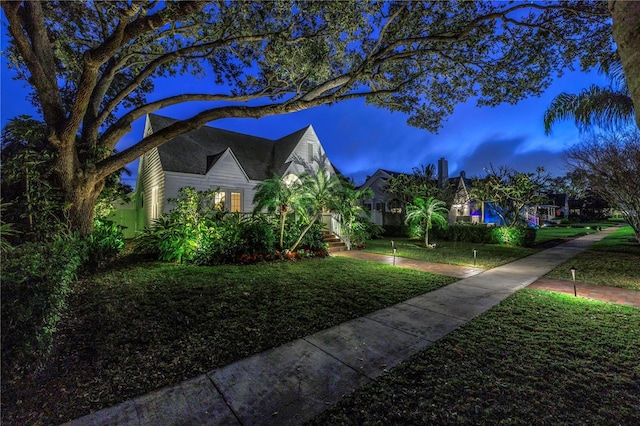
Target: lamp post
573,277
475,255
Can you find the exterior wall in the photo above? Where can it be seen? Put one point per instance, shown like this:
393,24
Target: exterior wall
226,175
308,153
150,175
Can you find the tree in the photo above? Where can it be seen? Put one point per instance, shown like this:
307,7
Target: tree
425,212
421,182
350,207
93,64
626,21
318,193
275,194
610,162
607,107
510,191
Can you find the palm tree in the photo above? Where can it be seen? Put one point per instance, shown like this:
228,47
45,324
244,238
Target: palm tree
425,213
350,208
318,194
607,107
277,194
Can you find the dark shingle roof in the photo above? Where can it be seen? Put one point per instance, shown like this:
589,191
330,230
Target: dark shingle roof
198,150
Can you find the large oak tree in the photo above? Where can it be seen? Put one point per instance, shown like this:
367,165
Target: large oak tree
93,64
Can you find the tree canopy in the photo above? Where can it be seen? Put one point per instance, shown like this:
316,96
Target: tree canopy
610,163
93,65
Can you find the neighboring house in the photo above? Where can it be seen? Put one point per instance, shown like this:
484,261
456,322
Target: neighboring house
210,158
387,211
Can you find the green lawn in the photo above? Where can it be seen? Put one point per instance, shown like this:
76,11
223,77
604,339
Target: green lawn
455,253
613,261
537,358
139,327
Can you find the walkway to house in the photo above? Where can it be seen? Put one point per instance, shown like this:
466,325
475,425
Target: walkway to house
290,384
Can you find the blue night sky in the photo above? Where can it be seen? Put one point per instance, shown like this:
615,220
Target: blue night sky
360,139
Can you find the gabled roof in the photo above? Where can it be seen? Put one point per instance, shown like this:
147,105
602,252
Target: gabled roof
197,151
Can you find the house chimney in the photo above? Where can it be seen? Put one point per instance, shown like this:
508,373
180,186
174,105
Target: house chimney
443,172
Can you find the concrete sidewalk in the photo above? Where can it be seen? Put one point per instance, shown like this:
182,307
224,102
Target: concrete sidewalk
290,384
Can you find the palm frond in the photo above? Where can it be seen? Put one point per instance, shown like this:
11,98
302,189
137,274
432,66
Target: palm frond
601,106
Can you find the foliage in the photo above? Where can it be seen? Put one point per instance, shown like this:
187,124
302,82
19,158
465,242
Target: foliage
36,280
318,193
510,191
607,107
471,233
349,206
277,195
92,66
610,163
424,213
35,203
138,327
422,182
536,358
522,236
362,230
105,242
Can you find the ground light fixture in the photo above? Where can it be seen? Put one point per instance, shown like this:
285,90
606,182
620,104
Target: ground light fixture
475,255
573,277
394,257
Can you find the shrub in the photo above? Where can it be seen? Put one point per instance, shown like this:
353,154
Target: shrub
105,242
257,235
35,285
396,231
362,230
522,236
472,233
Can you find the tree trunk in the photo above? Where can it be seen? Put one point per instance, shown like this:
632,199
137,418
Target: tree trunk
293,247
81,190
626,33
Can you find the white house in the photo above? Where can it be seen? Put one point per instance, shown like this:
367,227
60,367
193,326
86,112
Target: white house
211,158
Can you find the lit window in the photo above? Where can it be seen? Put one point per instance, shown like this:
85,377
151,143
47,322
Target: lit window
219,200
236,202
154,202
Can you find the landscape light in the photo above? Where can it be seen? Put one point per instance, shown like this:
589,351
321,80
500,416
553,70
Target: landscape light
573,277
394,257
475,255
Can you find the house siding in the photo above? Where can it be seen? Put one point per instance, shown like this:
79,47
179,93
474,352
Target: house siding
150,175
226,175
301,154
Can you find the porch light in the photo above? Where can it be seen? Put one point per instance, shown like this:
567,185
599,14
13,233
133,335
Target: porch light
573,277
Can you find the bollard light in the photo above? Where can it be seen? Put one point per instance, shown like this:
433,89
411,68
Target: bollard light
573,277
393,244
394,257
475,255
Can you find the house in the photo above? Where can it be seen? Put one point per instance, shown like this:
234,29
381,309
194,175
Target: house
385,210
211,158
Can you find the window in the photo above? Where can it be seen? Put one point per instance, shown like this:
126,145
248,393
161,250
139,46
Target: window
236,202
309,152
154,203
219,200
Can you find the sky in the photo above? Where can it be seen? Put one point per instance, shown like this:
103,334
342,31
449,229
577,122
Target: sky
360,139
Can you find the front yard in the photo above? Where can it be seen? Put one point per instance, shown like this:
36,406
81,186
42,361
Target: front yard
536,358
141,326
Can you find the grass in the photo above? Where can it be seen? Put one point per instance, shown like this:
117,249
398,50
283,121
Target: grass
537,358
139,327
455,253
613,261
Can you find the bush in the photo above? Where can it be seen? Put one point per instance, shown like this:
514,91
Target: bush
521,236
472,233
400,231
105,242
35,285
363,230
257,235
